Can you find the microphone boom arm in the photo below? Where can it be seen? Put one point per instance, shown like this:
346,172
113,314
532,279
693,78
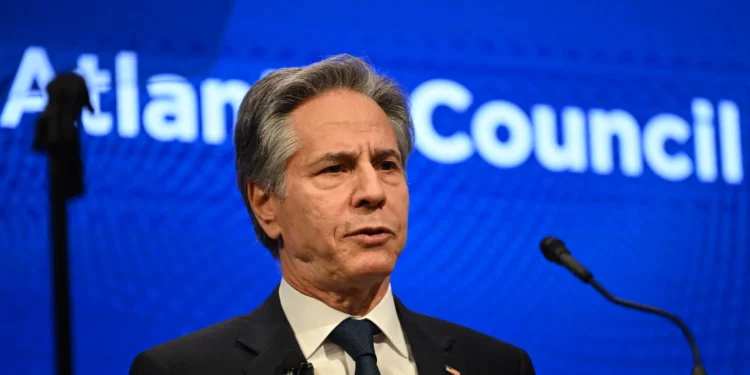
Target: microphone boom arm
555,251
697,367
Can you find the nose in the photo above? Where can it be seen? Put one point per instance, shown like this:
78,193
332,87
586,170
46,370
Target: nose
369,191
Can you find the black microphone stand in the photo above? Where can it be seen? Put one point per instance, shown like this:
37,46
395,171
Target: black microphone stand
697,366
555,251
57,135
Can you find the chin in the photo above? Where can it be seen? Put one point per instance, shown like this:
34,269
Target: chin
375,265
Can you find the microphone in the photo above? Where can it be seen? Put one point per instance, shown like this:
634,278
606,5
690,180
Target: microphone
556,251
294,363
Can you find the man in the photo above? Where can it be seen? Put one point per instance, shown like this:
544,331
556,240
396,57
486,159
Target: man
321,158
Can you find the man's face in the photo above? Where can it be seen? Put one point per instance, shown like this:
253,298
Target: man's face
346,206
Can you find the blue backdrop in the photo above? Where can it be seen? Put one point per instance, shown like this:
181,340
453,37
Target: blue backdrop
622,127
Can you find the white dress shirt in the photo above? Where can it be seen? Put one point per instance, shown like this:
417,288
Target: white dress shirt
312,321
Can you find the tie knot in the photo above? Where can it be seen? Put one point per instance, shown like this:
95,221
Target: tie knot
355,337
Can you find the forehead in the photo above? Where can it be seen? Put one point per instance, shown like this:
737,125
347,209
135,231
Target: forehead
342,119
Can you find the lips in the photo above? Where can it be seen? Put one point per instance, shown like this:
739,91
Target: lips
371,231
371,236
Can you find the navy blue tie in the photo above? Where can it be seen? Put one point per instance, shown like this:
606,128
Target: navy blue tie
355,337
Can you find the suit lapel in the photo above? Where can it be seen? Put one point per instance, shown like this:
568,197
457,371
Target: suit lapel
270,337
431,350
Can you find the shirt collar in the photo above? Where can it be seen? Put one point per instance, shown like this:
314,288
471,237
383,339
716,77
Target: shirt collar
312,320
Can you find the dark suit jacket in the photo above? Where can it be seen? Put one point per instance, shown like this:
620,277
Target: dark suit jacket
257,344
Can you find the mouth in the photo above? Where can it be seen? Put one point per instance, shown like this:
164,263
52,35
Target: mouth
371,236
371,231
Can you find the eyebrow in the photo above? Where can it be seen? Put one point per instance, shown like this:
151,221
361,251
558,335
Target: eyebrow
348,156
385,153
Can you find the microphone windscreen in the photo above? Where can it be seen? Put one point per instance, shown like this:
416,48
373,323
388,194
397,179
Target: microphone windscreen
553,248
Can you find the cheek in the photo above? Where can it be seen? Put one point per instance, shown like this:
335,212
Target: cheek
316,217
402,202
322,217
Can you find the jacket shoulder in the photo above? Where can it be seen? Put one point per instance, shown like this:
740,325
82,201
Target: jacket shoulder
475,347
199,352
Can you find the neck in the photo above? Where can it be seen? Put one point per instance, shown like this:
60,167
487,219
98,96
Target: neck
356,299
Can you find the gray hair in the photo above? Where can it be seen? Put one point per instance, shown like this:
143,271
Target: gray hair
264,140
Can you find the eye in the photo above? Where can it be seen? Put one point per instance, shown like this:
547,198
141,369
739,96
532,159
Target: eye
388,165
333,169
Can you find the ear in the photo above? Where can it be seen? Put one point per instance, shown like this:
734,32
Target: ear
264,207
